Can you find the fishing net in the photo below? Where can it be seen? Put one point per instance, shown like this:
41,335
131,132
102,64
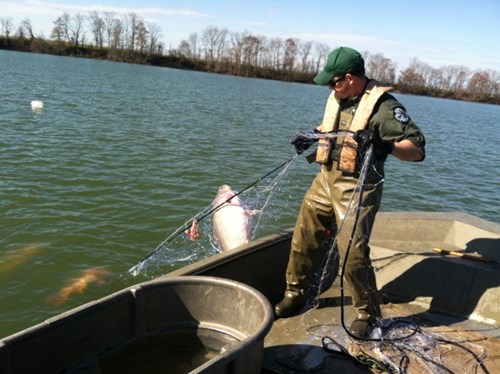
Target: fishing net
414,345
397,345
400,343
194,240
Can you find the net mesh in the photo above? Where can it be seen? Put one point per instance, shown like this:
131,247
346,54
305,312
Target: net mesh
398,344
177,250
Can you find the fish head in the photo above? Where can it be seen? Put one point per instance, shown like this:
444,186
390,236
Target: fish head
225,189
224,194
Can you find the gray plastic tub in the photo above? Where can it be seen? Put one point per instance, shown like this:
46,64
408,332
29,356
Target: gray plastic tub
183,324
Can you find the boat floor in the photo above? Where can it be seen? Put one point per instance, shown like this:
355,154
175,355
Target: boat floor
416,341
422,290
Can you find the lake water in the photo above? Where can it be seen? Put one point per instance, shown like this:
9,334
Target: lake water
122,155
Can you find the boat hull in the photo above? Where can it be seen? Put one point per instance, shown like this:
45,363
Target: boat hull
444,292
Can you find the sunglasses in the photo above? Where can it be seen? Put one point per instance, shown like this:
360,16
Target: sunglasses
333,83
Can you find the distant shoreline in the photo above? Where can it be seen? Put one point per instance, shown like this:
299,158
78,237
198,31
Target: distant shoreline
177,61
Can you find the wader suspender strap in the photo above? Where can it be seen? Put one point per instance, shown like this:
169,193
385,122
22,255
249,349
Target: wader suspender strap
349,152
348,155
367,104
330,118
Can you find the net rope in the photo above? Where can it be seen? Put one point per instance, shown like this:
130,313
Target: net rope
177,250
396,341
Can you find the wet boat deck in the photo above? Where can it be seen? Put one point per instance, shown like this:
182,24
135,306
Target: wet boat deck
416,341
450,302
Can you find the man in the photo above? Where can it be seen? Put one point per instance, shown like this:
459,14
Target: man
371,116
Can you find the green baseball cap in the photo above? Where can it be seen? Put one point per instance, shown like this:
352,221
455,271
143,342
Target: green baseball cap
341,61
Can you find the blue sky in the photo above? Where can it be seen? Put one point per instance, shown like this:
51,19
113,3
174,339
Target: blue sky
439,33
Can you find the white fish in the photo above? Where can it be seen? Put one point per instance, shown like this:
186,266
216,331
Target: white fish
231,221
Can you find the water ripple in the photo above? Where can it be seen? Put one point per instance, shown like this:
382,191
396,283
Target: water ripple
122,155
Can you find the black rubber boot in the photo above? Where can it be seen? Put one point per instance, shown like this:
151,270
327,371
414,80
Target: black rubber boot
362,326
289,306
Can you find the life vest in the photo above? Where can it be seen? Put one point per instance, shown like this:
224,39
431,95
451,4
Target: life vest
335,119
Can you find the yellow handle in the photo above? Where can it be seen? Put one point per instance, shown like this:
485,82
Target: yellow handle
461,254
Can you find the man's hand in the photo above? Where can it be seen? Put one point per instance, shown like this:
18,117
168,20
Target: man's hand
381,148
302,141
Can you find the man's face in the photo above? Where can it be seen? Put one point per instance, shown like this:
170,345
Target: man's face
341,85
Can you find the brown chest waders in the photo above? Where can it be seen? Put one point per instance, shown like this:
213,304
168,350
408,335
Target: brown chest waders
328,199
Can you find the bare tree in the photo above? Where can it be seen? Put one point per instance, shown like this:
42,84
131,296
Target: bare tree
188,48
193,40
77,28
97,28
481,86
275,48
7,25
20,32
58,29
380,68
65,24
291,46
446,76
305,51
133,20
221,44
236,48
495,78
211,39
264,60
117,34
449,81
109,21
28,28
265,56
184,49
460,77
435,79
414,78
321,51
154,32
409,80
141,36
251,48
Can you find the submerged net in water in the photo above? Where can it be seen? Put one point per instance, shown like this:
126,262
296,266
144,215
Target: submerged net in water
178,250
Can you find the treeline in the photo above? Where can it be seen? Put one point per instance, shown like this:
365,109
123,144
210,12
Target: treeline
129,38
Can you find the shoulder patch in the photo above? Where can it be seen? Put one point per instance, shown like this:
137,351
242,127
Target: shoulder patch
400,115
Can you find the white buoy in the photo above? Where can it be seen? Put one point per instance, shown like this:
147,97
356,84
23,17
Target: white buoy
36,105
